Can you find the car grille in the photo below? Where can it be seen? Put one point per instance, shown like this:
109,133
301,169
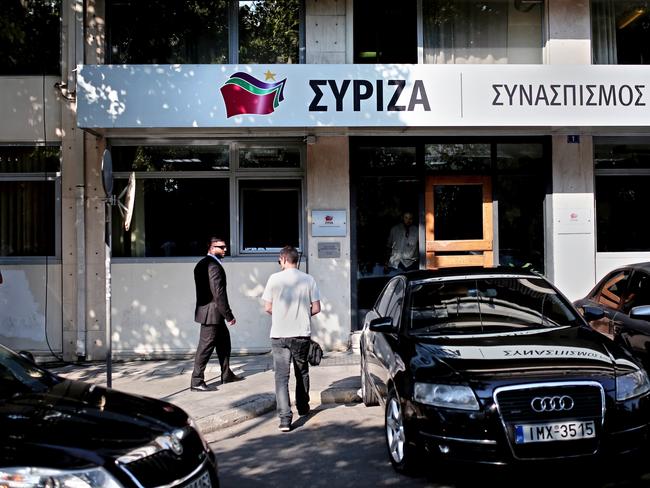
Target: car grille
166,468
515,408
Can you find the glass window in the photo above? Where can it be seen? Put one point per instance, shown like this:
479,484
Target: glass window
183,196
519,190
269,31
167,31
386,297
203,31
465,158
487,305
30,37
394,310
172,217
620,31
28,200
458,212
613,288
399,159
270,214
385,31
622,168
170,158
269,157
638,292
487,32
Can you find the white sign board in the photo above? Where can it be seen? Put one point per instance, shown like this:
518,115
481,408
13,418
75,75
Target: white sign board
328,223
361,95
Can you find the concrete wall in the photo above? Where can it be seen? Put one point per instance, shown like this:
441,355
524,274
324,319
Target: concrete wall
153,307
26,115
325,31
26,312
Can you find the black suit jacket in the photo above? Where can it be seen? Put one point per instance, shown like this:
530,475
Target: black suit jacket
212,305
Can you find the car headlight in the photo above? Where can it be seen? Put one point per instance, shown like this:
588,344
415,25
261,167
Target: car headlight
26,477
448,396
632,385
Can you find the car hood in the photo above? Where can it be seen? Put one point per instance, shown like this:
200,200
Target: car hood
76,425
539,353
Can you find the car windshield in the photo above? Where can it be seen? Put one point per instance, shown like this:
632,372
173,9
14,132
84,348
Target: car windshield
486,305
18,375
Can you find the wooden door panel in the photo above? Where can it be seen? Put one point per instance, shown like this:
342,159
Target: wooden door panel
481,250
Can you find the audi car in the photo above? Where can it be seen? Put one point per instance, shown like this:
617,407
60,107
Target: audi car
56,432
496,366
623,295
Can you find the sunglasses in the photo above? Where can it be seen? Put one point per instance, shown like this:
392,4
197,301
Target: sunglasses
221,247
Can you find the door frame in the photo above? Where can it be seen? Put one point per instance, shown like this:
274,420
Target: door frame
484,247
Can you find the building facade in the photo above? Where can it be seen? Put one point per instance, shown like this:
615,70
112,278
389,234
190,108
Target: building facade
515,132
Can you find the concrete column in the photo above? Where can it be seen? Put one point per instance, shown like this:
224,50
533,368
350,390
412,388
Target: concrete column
568,32
571,258
72,186
95,202
328,188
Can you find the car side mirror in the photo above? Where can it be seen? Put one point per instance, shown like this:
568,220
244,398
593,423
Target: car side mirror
592,313
382,324
642,312
27,355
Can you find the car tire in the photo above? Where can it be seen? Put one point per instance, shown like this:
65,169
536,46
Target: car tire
368,395
403,453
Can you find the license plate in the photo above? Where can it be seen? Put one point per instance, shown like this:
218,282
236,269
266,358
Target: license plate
555,431
202,481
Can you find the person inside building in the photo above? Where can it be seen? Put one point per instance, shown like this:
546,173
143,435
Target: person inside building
402,245
291,297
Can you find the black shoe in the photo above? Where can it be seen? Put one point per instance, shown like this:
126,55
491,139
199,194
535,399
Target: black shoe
202,387
304,411
285,425
231,378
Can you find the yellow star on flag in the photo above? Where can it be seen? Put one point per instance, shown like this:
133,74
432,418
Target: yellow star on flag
269,76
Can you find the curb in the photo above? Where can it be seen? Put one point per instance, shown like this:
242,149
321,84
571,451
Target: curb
264,403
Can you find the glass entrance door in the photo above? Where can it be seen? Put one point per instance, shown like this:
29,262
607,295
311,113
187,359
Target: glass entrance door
459,222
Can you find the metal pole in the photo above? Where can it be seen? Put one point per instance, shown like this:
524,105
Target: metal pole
109,342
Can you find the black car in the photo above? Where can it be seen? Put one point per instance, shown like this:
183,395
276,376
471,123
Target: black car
58,432
496,366
623,295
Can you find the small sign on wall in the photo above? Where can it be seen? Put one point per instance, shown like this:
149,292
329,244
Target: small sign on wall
328,223
329,249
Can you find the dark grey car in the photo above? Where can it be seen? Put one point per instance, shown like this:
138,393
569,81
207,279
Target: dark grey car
624,297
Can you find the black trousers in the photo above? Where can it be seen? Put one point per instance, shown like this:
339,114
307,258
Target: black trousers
212,336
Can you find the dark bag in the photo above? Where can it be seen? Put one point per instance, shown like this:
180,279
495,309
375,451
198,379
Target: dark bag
315,353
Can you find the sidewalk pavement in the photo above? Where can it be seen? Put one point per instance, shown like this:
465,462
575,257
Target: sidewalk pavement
335,380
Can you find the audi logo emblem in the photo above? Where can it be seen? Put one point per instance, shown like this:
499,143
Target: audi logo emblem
552,404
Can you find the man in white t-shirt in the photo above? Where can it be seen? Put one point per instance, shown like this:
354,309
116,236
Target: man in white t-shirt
291,297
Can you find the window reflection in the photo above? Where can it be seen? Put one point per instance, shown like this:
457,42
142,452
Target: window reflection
30,37
269,31
487,32
620,31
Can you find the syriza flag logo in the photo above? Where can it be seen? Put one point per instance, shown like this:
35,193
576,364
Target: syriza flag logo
245,94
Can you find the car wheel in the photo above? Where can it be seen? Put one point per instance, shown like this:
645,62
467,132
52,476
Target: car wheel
403,454
368,395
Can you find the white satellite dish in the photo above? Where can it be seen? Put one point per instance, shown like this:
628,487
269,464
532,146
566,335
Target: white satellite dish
126,201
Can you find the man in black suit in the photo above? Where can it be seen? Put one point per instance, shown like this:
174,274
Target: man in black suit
214,314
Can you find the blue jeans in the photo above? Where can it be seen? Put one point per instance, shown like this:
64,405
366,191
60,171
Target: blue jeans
285,351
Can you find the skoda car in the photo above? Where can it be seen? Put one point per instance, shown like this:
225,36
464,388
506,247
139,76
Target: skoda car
496,366
61,433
